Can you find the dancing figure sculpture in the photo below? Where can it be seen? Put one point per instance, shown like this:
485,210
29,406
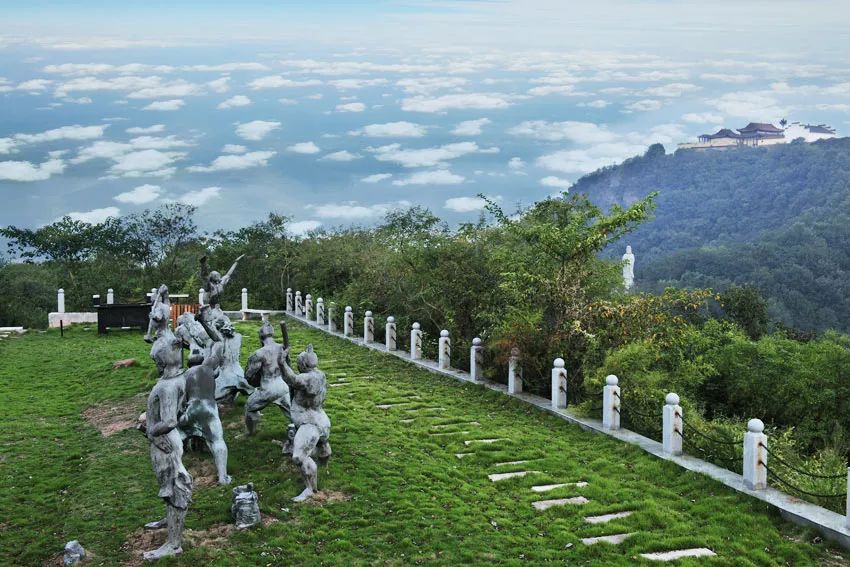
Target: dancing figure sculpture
264,371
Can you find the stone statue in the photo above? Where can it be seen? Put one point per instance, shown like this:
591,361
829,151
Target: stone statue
160,315
264,371
193,335
245,508
214,282
312,426
628,268
160,426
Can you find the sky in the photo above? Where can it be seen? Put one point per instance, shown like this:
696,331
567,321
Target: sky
335,113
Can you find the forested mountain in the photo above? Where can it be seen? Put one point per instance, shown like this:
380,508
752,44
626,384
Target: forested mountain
777,218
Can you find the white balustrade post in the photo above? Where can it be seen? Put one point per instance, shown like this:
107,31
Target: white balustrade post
755,456
368,328
476,359
390,334
320,311
289,299
348,322
153,294
244,299
110,296
514,373
299,304
444,358
308,307
672,425
416,342
60,301
331,321
559,384
201,293
611,403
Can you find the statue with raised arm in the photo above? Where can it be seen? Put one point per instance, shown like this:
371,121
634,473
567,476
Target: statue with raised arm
312,426
214,282
264,371
628,268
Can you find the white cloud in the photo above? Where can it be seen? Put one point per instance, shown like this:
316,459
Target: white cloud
726,77
78,69
579,132
27,171
301,228
165,105
220,85
140,195
516,164
287,101
466,204
546,90
95,216
148,130
352,211
432,177
589,159
81,100
347,84
351,107
103,149
702,118
7,145
233,149
234,162
671,90
200,197
145,163
470,127
277,81
424,157
177,88
598,103
558,182
234,101
376,177
476,101
400,129
304,148
256,130
357,67
755,106
343,155
63,133
428,85
644,105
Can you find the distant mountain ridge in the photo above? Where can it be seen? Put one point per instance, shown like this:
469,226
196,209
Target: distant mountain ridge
775,217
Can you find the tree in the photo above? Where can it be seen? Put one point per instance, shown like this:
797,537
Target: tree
746,307
153,237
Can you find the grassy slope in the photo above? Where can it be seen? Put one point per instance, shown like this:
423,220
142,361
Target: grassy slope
412,500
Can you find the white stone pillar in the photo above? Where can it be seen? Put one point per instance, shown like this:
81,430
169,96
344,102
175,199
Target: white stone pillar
110,296
244,299
60,301
320,311
416,342
673,427
476,359
299,304
153,293
444,358
201,295
308,307
348,322
368,328
755,456
331,320
289,299
514,373
611,403
390,334
559,384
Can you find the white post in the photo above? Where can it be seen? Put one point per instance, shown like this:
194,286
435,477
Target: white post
476,359
244,299
348,322
201,292
672,425
755,456
514,373
153,293
60,301
559,384
611,403
368,328
299,304
289,299
320,311
331,322
444,358
110,296
308,307
390,334
416,342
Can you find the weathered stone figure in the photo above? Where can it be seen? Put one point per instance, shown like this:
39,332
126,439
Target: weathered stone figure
214,282
628,269
312,426
264,371
160,315
194,337
230,379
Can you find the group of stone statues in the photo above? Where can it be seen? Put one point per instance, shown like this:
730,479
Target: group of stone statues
183,404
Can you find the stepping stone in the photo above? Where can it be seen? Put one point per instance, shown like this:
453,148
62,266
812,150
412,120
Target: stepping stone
496,477
426,409
388,406
612,539
340,384
605,518
462,455
678,554
471,441
548,487
451,424
506,463
440,434
546,504
406,420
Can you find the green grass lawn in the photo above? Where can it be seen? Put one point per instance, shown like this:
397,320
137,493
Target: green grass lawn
395,493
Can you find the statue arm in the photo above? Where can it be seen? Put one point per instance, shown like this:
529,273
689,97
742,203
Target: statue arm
226,277
212,332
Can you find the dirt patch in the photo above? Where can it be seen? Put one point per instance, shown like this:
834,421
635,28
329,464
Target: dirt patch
111,417
328,497
140,541
58,560
203,472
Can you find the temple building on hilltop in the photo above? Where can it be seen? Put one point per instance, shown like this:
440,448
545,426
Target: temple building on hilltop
761,134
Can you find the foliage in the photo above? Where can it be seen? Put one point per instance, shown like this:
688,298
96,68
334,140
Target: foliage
747,308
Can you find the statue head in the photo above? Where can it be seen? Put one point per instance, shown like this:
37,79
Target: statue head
215,277
628,249
224,326
163,292
266,331
307,360
186,318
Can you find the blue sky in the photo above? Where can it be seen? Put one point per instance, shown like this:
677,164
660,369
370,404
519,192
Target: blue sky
336,112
